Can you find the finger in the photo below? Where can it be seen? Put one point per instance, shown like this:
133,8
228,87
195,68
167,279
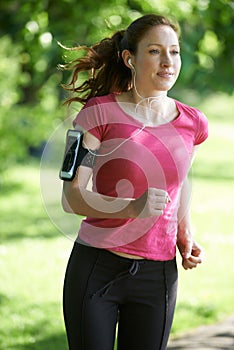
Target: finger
195,259
188,264
187,249
197,251
157,200
159,206
156,212
157,192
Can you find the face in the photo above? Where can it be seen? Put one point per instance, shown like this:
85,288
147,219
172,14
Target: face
157,61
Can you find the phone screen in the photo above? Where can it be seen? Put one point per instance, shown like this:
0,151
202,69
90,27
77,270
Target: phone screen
70,156
70,153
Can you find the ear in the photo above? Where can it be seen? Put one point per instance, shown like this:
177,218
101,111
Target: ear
126,55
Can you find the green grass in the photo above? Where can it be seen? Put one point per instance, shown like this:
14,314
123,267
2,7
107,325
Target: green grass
34,253
30,295
206,294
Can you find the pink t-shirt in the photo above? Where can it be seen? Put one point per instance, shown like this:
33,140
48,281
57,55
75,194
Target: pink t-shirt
131,159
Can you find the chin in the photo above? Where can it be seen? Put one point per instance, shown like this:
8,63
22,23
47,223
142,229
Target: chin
163,88
167,86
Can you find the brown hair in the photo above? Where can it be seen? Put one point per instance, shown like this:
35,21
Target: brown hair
107,70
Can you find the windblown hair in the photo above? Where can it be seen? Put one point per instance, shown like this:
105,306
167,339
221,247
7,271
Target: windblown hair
104,63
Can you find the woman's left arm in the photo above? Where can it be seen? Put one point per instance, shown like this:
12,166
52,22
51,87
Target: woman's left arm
190,251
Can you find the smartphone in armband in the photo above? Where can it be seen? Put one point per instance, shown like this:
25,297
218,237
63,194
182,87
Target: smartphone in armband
69,165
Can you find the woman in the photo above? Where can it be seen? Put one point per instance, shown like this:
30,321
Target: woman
122,269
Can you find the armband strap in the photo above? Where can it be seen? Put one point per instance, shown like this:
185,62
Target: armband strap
86,157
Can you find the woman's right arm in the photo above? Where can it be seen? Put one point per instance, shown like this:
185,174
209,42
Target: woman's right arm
77,199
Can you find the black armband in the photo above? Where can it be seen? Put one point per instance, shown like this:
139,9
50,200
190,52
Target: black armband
75,155
86,157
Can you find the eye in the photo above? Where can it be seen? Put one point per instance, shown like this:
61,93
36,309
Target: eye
154,51
175,52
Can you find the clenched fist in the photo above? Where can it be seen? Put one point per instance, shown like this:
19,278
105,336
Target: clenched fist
151,203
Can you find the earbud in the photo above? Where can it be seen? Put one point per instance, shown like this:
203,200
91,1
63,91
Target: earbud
130,64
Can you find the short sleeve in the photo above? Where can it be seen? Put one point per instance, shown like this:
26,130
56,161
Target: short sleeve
90,118
202,129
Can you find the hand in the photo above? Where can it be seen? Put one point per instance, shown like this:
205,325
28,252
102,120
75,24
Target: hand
151,203
190,251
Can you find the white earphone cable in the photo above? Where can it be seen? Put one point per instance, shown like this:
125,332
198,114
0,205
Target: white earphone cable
115,149
152,98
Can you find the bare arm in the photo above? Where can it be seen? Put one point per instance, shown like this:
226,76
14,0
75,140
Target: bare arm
77,199
190,251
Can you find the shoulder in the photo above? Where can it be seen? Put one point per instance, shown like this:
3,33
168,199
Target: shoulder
99,100
195,120
192,115
190,111
94,115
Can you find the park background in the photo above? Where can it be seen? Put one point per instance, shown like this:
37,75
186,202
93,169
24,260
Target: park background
34,248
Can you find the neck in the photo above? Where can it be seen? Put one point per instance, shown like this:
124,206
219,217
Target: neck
145,99
159,110
141,97
152,109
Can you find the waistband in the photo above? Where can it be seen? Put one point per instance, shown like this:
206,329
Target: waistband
130,267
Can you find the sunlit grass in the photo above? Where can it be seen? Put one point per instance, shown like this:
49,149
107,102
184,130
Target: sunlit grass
30,298
206,294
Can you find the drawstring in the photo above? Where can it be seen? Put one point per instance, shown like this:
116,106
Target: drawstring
132,271
134,267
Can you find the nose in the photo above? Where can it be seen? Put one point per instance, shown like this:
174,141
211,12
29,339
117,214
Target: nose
166,60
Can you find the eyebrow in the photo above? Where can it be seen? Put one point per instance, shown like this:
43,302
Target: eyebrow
155,44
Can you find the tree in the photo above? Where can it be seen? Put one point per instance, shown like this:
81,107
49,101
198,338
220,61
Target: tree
30,81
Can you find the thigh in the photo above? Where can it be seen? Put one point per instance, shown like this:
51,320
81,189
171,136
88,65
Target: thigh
90,322
145,320
99,324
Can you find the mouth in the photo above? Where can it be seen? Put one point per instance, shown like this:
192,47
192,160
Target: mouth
165,75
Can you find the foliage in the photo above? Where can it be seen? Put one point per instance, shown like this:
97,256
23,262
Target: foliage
30,92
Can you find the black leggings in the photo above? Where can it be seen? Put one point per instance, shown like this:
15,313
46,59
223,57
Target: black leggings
102,290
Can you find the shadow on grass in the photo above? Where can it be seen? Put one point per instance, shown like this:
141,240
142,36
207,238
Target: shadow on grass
25,216
17,236
8,188
3,299
18,227
35,228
